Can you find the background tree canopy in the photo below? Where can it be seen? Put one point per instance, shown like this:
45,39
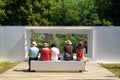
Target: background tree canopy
60,12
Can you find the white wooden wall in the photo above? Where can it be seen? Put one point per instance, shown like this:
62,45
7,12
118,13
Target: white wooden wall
12,43
105,44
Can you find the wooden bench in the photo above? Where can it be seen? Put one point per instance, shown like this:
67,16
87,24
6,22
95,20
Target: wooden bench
57,65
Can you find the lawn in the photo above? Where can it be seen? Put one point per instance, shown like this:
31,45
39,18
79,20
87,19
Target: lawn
114,68
4,66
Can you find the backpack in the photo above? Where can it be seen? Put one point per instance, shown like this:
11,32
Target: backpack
80,54
67,57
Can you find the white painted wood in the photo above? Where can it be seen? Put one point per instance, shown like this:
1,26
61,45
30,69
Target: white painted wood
103,42
57,65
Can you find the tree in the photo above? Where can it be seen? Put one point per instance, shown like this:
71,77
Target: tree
51,13
77,13
2,11
28,12
109,10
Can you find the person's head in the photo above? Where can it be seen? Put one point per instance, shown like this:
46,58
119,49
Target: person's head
53,45
68,42
46,45
80,44
34,43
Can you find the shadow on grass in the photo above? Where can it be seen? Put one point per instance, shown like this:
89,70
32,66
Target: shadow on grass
115,67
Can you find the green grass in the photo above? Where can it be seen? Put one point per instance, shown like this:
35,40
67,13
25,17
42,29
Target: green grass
4,66
114,68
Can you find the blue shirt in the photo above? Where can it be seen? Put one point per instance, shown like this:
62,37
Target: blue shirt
33,52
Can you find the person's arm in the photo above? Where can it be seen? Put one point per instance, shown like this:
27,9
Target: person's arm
64,49
84,52
29,53
38,53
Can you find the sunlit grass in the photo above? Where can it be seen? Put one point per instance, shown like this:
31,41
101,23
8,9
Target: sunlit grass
114,68
4,66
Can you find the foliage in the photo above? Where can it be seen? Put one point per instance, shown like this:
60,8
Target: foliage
59,39
2,11
4,66
114,68
40,39
109,10
51,13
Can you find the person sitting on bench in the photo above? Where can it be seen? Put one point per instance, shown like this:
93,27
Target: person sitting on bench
68,50
54,52
33,54
45,53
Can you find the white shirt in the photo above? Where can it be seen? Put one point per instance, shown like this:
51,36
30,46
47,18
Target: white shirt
54,53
